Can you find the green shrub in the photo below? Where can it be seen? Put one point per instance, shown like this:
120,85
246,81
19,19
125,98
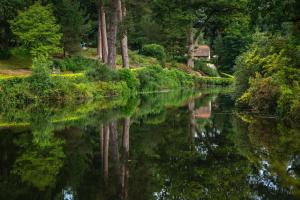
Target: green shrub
130,78
156,78
14,92
75,64
202,66
262,95
102,72
213,81
156,51
40,80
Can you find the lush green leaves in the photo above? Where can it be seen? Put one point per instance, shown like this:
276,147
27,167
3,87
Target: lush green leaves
37,31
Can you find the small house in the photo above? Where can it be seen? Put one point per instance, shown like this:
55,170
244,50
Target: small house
201,52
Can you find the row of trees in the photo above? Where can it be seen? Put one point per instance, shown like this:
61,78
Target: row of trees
177,26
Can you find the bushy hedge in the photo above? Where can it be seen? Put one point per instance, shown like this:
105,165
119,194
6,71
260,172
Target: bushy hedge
155,78
75,64
202,66
156,51
204,80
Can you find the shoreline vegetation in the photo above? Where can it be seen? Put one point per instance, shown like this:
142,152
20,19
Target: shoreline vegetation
97,82
79,54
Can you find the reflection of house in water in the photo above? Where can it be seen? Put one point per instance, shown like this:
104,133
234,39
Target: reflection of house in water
201,52
203,112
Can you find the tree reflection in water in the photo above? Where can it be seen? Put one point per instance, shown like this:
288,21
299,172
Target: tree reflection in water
178,145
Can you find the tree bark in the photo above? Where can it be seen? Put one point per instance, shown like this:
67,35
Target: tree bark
112,35
99,49
124,39
102,22
3,34
190,62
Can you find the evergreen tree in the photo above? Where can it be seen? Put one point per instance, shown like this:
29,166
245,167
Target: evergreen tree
37,31
74,24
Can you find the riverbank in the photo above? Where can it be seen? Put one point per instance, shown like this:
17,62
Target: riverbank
99,82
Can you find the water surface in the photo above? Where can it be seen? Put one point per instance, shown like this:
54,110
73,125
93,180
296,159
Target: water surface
179,145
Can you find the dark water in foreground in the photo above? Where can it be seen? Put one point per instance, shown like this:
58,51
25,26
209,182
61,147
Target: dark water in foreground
178,146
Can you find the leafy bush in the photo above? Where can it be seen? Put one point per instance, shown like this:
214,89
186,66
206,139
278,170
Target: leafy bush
155,78
102,72
129,77
156,51
213,81
262,95
40,80
15,91
202,66
75,64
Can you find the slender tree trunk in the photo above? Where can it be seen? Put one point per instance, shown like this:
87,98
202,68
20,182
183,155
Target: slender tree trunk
112,35
101,137
104,44
99,49
190,62
3,34
124,40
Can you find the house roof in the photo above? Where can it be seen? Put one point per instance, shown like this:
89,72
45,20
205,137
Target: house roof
202,51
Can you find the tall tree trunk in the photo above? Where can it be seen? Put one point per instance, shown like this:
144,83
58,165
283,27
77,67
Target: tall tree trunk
3,34
103,32
124,40
99,49
190,62
112,35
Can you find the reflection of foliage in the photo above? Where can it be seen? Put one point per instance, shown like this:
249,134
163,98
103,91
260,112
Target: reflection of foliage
274,148
39,165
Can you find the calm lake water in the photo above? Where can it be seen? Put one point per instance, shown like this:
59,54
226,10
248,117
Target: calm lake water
179,145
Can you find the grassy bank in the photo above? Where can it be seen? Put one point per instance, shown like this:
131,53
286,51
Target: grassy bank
95,83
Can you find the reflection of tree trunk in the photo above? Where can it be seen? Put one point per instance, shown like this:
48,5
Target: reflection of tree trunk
115,157
192,119
190,62
105,151
124,40
125,157
112,35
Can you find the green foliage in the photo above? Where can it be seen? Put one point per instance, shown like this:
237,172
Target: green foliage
156,51
73,22
275,89
262,94
75,64
40,80
130,78
155,78
37,31
232,42
202,66
102,72
206,81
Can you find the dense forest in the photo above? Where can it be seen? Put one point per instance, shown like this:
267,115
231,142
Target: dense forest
59,50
